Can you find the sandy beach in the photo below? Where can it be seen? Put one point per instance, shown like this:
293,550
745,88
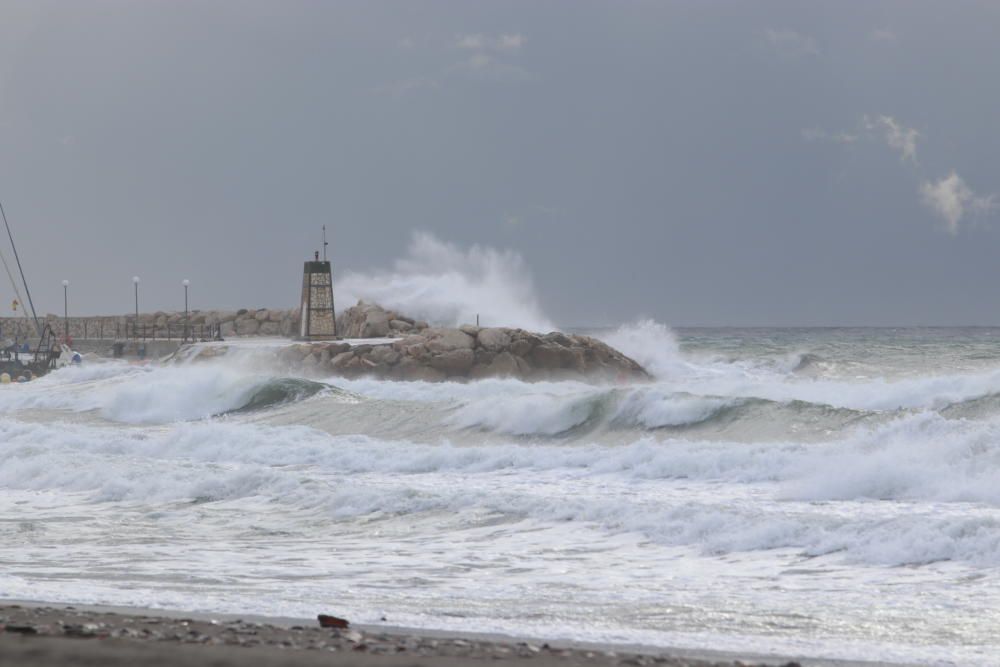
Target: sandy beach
36,635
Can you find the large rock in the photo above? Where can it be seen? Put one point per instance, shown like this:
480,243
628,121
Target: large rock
504,364
551,356
445,340
376,325
365,320
454,362
434,354
269,329
247,326
493,340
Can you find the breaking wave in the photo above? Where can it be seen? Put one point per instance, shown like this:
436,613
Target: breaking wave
911,460
159,395
448,285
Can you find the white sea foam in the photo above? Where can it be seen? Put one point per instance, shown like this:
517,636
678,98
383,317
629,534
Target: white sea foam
651,344
446,284
921,458
508,499
142,394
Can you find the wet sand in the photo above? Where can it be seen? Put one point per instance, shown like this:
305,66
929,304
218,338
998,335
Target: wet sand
34,635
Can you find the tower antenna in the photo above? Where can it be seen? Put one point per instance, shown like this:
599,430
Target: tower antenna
325,244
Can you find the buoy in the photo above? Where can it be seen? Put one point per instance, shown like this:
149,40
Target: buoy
4,378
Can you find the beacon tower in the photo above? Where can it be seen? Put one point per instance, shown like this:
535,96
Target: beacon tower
318,319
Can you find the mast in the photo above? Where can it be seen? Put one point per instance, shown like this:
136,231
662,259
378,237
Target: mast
27,291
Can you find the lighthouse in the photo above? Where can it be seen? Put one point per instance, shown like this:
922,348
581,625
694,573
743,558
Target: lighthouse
318,318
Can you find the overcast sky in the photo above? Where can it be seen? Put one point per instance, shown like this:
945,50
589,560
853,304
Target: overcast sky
717,163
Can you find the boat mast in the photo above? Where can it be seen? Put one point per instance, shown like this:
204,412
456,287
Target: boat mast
27,291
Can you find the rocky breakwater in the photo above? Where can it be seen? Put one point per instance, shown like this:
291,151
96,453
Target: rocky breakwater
417,351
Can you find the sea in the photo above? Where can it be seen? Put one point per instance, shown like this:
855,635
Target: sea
827,492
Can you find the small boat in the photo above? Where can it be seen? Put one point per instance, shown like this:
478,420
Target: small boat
20,361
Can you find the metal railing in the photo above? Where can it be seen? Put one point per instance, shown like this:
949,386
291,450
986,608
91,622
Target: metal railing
179,331
115,329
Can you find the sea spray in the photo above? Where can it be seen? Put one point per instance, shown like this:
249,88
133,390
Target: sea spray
651,344
448,285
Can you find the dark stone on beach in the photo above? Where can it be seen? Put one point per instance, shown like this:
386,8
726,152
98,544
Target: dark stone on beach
326,621
21,629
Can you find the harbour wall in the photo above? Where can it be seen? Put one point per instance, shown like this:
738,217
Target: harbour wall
160,325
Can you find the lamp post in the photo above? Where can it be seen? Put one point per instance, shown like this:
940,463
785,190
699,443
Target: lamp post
66,310
135,327
187,319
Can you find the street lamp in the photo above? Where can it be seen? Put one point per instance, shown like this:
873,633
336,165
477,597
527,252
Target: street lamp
66,309
187,320
135,329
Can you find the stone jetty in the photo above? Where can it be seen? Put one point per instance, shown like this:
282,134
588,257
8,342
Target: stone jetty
402,348
380,342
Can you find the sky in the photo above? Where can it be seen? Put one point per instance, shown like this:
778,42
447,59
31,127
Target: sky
700,163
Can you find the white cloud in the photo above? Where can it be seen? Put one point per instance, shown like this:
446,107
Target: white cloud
484,67
487,58
508,42
819,134
897,136
491,57
792,44
952,199
883,35
479,61
405,86
471,42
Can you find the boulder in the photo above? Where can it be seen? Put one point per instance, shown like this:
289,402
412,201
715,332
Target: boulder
336,348
384,355
521,347
376,325
505,364
454,362
445,340
493,340
247,327
269,329
400,325
552,356
341,360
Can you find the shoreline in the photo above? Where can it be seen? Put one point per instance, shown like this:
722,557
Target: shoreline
39,634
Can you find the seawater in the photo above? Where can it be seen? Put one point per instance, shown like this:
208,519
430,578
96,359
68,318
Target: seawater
827,492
